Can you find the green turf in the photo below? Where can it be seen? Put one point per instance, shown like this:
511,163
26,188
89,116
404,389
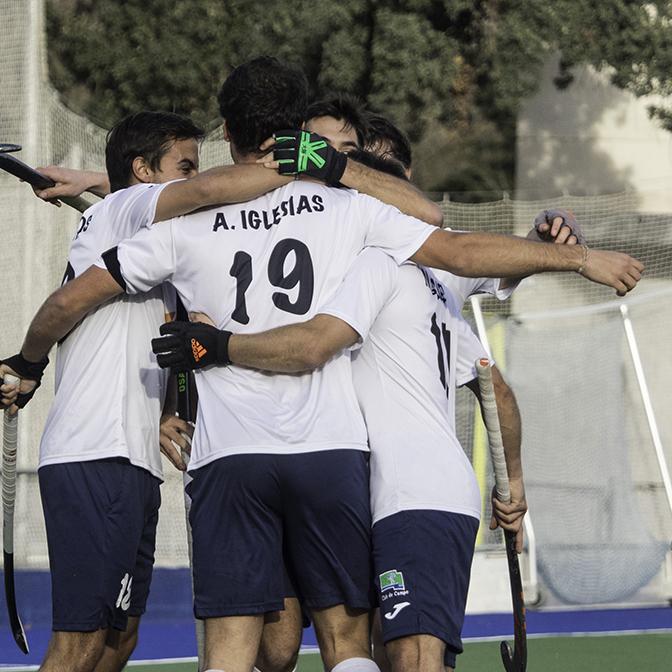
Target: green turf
623,653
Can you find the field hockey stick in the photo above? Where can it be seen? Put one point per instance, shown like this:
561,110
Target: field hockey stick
184,410
9,442
23,171
515,661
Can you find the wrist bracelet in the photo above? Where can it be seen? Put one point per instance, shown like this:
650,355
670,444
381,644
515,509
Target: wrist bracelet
584,259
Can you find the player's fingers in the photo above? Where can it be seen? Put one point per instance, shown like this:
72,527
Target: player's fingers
284,154
493,523
169,359
187,443
544,227
174,327
519,540
265,158
202,318
273,165
563,234
173,455
556,225
267,144
166,344
572,240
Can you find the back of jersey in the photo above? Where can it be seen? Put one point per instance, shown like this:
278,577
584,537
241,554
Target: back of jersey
416,350
109,389
259,265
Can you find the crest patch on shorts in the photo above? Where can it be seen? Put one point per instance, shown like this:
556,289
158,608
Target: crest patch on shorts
391,580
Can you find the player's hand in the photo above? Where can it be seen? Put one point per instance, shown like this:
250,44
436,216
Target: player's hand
557,226
614,269
510,516
185,346
202,318
30,374
175,437
70,182
298,152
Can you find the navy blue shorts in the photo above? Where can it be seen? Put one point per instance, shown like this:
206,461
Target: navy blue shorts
422,562
101,519
249,513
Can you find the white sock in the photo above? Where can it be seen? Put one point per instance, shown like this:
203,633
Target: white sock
356,665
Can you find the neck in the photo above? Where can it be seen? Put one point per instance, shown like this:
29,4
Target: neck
238,157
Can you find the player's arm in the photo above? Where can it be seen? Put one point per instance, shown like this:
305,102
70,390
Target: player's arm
300,152
56,317
224,184
392,190
72,182
65,308
508,516
557,226
496,255
294,348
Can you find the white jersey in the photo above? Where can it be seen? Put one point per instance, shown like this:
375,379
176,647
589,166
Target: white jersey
416,349
109,388
259,265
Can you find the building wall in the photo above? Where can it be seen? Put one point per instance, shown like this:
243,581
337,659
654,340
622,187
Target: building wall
591,138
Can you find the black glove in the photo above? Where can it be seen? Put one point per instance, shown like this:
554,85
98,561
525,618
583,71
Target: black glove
568,219
304,153
191,345
26,371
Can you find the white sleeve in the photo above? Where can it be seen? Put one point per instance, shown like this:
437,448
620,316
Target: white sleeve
397,234
147,259
366,288
469,349
139,206
462,288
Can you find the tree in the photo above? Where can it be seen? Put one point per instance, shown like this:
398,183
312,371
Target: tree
452,73
632,41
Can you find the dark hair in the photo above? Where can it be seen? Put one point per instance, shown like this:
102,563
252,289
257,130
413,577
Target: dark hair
146,134
342,106
383,164
260,97
382,131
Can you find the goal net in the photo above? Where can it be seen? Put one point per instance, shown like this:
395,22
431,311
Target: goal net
596,493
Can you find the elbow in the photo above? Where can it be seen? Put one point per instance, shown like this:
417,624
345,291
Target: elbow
435,216
314,354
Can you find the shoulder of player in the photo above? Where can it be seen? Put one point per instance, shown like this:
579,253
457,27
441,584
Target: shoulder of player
421,278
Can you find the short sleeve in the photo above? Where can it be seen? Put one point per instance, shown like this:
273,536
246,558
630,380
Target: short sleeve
398,235
469,349
366,288
462,288
139,205
147,259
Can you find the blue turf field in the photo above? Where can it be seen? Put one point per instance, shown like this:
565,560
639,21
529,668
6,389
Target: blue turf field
167,631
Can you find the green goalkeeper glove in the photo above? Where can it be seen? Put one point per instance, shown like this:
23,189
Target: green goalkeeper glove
304,153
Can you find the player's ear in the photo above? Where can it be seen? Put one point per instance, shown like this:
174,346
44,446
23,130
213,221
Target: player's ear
141,170
225,131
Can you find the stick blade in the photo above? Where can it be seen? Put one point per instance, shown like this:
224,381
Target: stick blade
507,656
9,147
14,620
